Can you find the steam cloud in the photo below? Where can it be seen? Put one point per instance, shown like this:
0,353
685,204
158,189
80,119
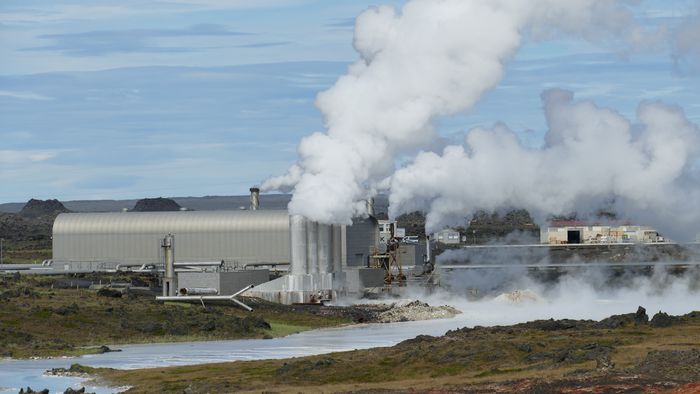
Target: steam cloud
591,155
437,57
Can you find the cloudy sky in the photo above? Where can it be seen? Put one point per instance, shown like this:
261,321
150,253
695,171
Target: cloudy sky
130,99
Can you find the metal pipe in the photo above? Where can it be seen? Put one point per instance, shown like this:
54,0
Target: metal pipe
243,290
254,198
297,228
203,298
427,249
198,291
199,264
169,279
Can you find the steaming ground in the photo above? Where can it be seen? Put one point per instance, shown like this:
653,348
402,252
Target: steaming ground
584,295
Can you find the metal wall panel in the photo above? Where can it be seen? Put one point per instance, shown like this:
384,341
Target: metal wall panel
134,237
361,237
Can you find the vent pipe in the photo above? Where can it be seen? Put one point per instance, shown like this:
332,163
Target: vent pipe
169,279
370,206
428,257
254,198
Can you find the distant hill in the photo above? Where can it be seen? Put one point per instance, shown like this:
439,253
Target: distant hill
38,208
206,203
156,205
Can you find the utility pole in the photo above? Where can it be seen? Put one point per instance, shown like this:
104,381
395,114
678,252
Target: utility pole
1,242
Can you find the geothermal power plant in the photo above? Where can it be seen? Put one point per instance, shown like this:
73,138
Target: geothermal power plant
222,252
290,259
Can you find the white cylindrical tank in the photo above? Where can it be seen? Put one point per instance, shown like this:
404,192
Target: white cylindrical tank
312,247
298,241
170,278
337,245
325,248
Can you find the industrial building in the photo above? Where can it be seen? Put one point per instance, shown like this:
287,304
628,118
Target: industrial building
447,236
240,238
580,232
321,260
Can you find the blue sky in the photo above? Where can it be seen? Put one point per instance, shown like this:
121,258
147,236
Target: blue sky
131,99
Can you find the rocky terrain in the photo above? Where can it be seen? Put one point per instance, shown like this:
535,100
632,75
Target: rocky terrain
482,227
156,205
412,310
27,235
38,208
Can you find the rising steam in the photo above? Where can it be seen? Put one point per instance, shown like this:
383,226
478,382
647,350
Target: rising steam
591,155
437,57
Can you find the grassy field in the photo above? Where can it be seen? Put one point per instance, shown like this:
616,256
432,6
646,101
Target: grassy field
544,356
38,320
26,251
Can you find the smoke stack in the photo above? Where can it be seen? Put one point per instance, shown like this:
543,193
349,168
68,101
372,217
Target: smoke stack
428,257
170,278
254,198
370,206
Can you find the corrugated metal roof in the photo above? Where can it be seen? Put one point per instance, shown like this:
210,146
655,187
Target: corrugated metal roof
134,237
175,222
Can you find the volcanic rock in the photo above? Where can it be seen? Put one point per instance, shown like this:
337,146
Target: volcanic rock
663,319
37,208
156,205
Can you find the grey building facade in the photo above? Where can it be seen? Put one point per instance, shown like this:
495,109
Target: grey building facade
237,237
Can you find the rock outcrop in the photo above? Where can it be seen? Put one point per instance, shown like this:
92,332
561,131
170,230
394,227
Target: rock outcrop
38,208
159,204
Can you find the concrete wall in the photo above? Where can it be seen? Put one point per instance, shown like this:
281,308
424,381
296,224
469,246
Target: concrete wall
232,282
410,254
358,279
361,238
225,282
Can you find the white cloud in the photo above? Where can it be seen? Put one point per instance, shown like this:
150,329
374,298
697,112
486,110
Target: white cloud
24,95
15,157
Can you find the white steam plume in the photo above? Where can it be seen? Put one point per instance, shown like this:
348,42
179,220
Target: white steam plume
433,58
591,156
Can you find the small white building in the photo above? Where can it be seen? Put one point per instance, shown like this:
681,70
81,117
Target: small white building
447,236
386,227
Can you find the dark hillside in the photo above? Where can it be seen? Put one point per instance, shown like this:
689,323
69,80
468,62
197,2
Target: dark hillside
38,208
159,204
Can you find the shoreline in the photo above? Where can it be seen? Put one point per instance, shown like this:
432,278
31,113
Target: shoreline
541,352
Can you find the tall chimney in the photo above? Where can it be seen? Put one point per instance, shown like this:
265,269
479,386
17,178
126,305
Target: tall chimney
170,278
254,198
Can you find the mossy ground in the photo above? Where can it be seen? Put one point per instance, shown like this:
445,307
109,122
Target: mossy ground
37,320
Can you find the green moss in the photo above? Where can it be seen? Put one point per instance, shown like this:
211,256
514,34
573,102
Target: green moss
281,329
